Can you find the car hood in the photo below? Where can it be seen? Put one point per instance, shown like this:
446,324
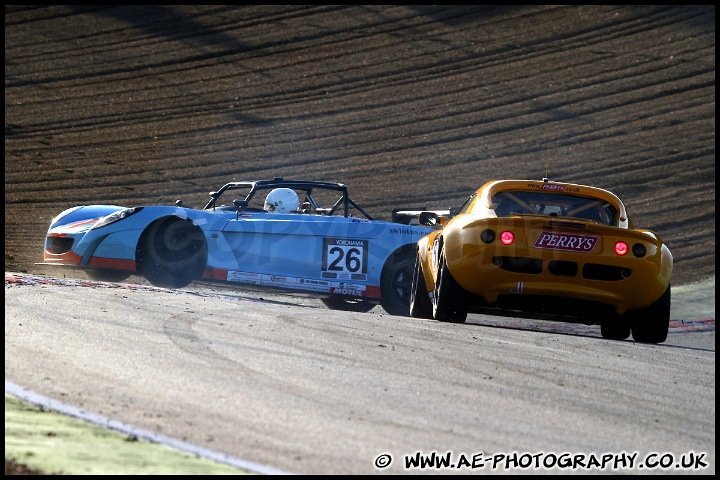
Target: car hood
83,215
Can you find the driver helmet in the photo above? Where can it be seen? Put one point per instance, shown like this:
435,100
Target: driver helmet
281,200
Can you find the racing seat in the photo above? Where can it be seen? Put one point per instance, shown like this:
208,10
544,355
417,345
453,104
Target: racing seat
506,208
593,214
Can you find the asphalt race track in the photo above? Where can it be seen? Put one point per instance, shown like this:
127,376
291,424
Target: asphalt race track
299,388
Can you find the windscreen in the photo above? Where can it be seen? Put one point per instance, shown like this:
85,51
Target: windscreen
509,203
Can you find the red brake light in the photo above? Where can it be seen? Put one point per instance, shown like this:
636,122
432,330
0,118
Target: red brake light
507,238
621,248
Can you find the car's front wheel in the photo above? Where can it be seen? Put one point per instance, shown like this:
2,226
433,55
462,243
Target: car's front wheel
450,298
420,306
651,324
172,253
395,284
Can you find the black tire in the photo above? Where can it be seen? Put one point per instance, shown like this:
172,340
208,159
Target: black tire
450,298
395,284
617,328
348,304
651,324
172,253
108,275
420,305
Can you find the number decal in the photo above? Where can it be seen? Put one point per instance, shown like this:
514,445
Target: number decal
345,256
353,259
337,253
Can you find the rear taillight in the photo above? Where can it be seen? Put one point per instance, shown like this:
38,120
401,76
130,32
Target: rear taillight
507,237
621,248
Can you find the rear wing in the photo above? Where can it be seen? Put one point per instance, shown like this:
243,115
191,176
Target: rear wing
409,216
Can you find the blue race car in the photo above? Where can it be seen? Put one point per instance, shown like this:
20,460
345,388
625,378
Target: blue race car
289,235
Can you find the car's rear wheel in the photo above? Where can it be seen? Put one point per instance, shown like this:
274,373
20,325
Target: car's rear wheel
450,298
172,253
395,284
108,275
349,304
651,324
616,328
420,306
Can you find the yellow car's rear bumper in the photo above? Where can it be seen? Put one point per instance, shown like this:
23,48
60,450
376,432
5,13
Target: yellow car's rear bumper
528,268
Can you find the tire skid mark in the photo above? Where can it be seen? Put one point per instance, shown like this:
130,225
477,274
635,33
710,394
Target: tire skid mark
420,83
23,279
179,327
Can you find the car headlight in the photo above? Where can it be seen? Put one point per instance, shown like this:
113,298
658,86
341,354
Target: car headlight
114,217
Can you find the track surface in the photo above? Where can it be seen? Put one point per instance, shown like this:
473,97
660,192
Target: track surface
307,390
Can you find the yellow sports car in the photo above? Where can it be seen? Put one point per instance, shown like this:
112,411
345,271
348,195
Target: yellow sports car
548,250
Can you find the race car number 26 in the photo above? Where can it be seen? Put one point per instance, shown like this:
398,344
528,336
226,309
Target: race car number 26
343,255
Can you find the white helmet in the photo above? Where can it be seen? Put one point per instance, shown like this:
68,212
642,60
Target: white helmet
281,200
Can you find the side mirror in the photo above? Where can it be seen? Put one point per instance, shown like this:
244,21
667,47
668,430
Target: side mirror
429,219
240,204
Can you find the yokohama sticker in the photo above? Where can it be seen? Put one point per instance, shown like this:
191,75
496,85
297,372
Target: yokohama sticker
566,241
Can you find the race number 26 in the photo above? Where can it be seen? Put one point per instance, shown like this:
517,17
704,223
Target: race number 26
342,255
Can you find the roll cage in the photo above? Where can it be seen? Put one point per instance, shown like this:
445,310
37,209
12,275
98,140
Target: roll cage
521,202
308,191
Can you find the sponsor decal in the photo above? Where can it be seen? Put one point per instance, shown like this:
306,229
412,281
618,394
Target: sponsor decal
353,289
434,260
348,291
279,281
344,257
566,241
554,187
407,231
348,285
347,243
313,282
234,276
